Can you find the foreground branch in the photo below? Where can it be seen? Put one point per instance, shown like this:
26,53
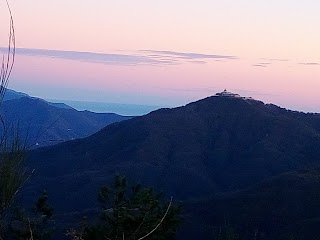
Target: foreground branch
164,216
8,58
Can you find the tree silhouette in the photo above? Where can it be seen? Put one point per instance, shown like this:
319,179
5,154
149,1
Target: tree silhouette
134,214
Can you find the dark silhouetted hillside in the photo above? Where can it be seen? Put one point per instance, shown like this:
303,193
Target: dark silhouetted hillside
40,123
216,145
11,94
278,208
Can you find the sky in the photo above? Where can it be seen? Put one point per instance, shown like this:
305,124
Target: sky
166,53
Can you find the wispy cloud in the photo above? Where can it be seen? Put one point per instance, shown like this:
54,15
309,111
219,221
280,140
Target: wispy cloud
190,55
275,59
269,61
310,63
265,63
141,57
262,64
197,61
92,57
259,65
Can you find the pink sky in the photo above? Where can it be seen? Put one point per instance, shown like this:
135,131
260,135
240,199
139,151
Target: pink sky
256,33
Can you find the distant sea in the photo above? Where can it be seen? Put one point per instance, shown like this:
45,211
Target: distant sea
104,107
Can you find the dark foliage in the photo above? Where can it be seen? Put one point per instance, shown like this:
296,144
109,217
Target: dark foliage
206,148
131,214
283,207
35,225
12,177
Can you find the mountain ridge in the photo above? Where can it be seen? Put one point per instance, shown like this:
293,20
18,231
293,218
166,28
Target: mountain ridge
158,128
216,145
42,123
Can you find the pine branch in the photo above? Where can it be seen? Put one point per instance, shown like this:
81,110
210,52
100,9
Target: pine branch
164,216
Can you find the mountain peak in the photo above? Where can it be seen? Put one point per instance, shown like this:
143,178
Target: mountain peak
225,93
228,94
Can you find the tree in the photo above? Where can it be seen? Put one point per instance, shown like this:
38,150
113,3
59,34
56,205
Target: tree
12,174
9,180
35,225
8,58
134,214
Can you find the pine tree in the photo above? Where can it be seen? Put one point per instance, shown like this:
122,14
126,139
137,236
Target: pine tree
134,214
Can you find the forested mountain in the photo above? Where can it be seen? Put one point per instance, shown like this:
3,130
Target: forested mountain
218,145
11,94
41,123
286,206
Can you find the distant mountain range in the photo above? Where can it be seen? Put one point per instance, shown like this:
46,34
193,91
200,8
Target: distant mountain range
215,150
119,108
42,123
97,107
11,94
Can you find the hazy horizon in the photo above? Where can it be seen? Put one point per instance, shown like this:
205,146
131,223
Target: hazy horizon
109,107
130,109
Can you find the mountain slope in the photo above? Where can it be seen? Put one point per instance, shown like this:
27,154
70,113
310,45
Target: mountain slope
11,94
282,206
41,123
217,144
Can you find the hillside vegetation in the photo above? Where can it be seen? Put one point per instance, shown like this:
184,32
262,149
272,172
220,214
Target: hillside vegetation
218,145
